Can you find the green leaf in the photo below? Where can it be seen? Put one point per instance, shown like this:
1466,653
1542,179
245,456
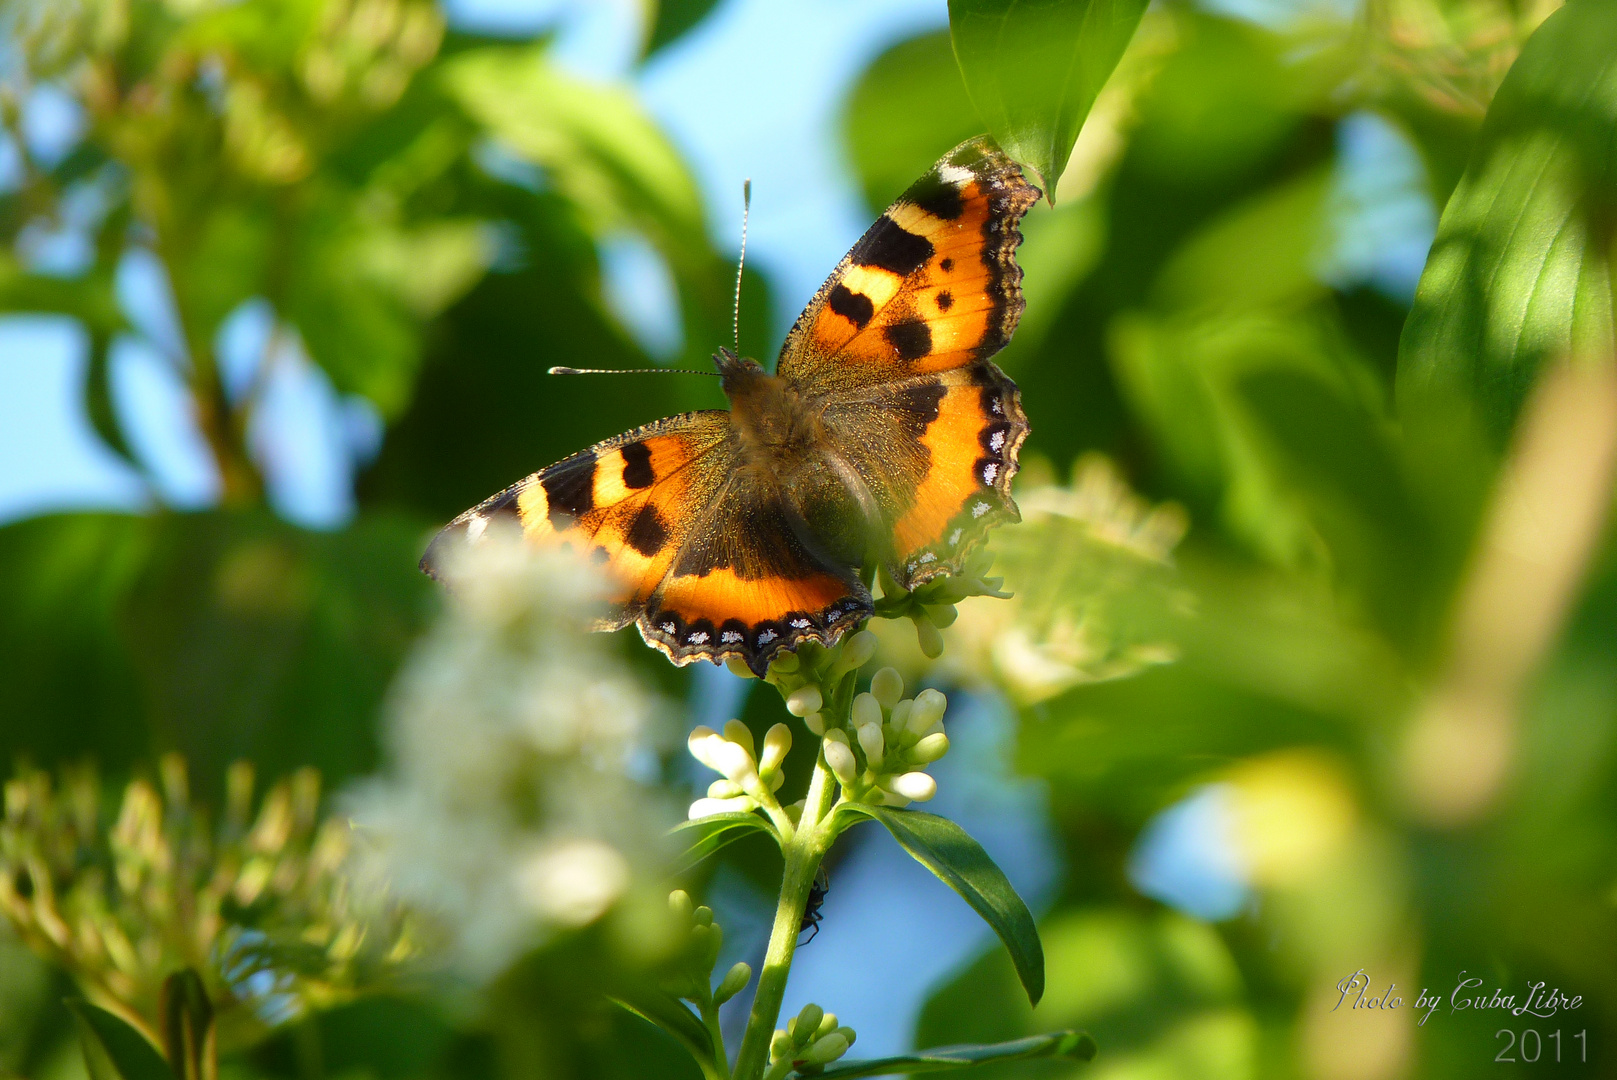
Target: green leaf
1520,271
709,834
1074,1045
113,1050
669,1014
961,863
675,18
1034,67
189,1037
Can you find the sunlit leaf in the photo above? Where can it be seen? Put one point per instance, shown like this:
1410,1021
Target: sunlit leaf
961,863
1520,272
1034,68
1072,1045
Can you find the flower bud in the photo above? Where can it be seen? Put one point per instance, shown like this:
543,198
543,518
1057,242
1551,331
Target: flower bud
737,732
931,748
915,785
777,742
871,741
840,758
806,1023
857,650
928,710
889,799
794,812
929,638
738,667
785,663
847,1033
702,808
780,1045
888,686
941,615
804,700
826,1050
828,1024
724,789
702,916
815,722
735,981
732,760
776,780
697,743
901,713
866,710
679,901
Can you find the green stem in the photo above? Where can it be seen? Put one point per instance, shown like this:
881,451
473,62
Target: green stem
721,1060
803,854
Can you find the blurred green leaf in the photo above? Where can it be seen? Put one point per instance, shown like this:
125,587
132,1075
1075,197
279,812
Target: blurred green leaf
1034,68
675,18
221,635
907,109
1159,992
189,1038
1071,1045
1520,273
671,1015
707,835
112,1049
961,863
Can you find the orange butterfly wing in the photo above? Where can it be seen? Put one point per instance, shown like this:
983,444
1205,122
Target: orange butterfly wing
708,564
897,341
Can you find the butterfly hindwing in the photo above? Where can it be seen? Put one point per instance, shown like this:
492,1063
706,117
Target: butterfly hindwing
932,285
938,453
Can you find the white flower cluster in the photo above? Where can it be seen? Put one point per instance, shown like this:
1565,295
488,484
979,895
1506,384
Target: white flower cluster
507,812
750,779
893,739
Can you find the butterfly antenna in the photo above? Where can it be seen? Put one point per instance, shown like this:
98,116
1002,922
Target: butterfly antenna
746,211
628,371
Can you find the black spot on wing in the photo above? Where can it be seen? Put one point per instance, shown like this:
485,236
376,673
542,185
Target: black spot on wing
890,246
570,489
912,339
648,532
946,265
937,197
855,307
945,300
917,406
637,470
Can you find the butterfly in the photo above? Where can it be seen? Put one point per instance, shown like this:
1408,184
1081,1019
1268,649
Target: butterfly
885,436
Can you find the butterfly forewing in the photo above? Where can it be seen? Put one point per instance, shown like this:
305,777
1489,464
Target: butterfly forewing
897,342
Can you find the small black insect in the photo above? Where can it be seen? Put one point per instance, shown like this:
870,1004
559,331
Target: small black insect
811,910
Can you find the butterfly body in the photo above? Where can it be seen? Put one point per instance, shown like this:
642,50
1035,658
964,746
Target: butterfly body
885,436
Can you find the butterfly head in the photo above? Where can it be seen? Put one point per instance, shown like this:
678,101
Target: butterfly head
741,376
